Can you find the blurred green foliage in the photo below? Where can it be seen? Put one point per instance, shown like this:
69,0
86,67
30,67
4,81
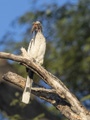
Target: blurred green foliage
39,116
67,30
85,98
15,117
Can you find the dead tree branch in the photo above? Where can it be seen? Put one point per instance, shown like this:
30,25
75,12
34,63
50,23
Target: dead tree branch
71,107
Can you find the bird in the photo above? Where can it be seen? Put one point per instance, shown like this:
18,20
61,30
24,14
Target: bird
36,50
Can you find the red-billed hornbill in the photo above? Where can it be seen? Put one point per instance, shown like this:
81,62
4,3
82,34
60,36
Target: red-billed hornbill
36,50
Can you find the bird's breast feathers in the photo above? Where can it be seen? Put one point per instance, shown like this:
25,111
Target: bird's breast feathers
37,47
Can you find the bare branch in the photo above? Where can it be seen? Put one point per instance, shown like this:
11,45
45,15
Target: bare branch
74,107
20,81
46,94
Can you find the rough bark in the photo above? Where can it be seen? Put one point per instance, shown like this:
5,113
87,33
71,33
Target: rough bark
59,96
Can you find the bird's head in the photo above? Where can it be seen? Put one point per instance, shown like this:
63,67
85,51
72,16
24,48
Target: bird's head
37,27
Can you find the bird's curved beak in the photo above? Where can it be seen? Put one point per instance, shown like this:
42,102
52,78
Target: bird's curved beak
33,28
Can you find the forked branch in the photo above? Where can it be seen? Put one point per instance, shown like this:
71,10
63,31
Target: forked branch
62,98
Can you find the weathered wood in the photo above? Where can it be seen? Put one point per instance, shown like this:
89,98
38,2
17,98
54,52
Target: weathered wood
75,110
46,94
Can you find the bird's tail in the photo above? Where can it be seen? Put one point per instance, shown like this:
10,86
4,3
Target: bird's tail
27,89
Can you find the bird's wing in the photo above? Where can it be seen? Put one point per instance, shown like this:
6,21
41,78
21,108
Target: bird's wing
30,47
27,89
